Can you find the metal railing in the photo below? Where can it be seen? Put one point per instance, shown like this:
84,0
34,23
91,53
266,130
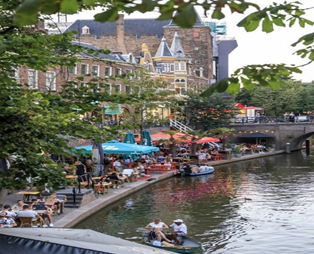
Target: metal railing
179,126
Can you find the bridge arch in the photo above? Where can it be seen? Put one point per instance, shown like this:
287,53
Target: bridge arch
293,133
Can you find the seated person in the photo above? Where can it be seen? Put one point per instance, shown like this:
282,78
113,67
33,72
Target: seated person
18,206
57,202
179,229
27,212
195,169
7,210
202,168
114,176
6,221
187,169
117,165
35,206
157,227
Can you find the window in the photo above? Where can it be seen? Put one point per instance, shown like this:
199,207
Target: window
128,74
32,79
117,88
85,30
108,88
95,70
118,71
51,80
73,70
179,66
84,69
128,90
108,71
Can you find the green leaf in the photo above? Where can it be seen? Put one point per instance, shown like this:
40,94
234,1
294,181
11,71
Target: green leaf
181,19
275,84
217,14
292,22
27,13
69,6
267,25
252,25
311,56
222,86
146,6
233,88
110,15
89,2
50,7
278,22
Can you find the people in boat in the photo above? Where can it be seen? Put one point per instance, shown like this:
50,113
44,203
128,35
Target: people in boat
195,169
157,226
202,168
179,229
187,169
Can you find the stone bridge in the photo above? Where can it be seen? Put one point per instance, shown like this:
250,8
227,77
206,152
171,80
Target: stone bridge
283,133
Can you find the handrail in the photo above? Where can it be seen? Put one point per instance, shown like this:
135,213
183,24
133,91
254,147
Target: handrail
180,126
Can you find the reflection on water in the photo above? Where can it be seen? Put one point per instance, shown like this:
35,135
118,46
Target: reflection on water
263,205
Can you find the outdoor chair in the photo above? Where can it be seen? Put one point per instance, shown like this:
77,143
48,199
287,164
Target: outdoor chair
115,183
28,222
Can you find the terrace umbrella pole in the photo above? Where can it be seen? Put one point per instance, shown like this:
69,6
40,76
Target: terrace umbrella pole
74,195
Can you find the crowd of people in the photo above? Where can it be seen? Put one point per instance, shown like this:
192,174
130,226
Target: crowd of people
39,210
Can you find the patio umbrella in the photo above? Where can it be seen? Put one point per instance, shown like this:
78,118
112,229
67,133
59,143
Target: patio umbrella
207,140
120,148
177,136
129,138
146,138
98,159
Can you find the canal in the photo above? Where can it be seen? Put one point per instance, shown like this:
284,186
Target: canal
259,206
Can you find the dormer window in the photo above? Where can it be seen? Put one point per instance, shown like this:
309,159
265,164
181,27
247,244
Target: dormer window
85,30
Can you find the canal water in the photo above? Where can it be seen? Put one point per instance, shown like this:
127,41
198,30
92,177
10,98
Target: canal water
263,205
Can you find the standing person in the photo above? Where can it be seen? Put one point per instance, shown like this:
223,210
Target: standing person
179,229
157,227
80,171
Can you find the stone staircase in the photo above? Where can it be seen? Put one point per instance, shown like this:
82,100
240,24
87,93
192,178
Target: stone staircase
81,199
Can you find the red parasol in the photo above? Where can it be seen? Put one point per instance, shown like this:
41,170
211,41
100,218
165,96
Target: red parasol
207,139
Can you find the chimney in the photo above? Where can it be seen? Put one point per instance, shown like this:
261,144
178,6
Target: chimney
120,34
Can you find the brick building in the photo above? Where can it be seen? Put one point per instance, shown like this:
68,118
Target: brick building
128,35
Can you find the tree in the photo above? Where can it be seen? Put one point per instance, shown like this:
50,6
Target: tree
209,112
286,14
150,95
293,96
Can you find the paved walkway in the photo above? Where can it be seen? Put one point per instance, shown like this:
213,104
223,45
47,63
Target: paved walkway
72,216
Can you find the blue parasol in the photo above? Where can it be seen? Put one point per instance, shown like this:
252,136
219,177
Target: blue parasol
129,138
146,138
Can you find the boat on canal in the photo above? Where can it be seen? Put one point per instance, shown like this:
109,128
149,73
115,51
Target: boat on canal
189,245
182,172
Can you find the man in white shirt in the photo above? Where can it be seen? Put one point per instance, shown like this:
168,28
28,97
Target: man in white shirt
27,212
179,229
117,165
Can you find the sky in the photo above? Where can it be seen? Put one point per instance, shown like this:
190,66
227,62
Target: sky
256,47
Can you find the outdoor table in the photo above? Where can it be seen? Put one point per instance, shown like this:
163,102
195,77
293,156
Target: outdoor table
27,195
104,187
158,167
71,177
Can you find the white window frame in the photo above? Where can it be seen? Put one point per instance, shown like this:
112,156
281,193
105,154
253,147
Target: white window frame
110,88
95,74
116,86
179,66
118,72
32,80
51,81
110,71
74,68
128,71
87,69
130,92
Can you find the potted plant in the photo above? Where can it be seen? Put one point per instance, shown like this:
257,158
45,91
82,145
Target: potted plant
237,151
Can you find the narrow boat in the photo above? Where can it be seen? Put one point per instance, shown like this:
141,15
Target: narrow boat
181,172
189,245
